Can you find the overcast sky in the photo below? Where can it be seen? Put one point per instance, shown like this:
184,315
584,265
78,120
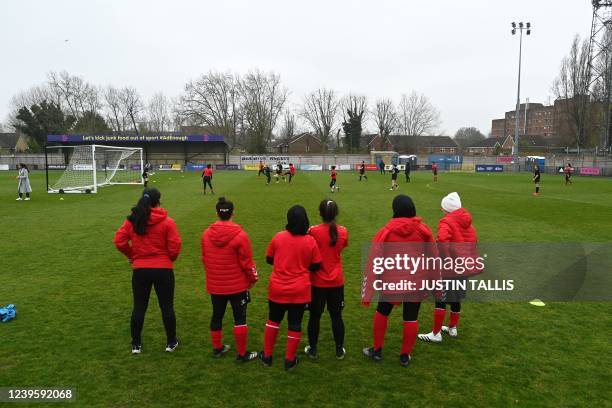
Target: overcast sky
459,53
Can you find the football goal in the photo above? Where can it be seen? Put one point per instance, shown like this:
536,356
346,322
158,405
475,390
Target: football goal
84,168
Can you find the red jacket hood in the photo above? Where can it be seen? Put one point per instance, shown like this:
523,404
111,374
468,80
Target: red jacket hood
158,215
402,226
462,217
222,233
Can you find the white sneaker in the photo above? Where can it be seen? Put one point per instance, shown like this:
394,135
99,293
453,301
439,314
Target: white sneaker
452,331
431,338
19,199
27,198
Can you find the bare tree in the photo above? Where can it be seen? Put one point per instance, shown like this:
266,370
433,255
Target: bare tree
417,115
320,110
262,100
76,96
131,105
159,113
571,87
212,100
386,118
467,136
114,109
355,108
288,128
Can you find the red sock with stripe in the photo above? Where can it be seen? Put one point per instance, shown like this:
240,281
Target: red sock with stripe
411,329
270,334
454,319
293,342
380,329
240,336
439,316
217,338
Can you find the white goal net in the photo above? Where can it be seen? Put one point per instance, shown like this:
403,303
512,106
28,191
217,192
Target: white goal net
84,168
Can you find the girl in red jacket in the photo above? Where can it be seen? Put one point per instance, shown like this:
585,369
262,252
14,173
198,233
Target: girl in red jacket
230,272
455,232
404,227
151,242
294,255
328,282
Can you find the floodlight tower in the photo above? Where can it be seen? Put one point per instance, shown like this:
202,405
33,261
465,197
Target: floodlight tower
600,63
515,148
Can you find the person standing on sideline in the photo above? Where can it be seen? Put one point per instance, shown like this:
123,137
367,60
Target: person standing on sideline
434,170
23,186
404,227
145,177
268,174
394,173
455,234
294,255
230,273
328,282
207,175
381,166
407,171
568,170
151,242
536,179
362,171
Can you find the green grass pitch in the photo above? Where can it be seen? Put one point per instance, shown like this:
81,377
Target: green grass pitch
72,291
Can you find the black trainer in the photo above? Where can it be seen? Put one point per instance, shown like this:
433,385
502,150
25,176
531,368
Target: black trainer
375,355
246,357
291,364
340,352
311,352
220,352
170,347
266,360
405,360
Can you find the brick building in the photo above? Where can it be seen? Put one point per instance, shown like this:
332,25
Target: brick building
301,144
414,144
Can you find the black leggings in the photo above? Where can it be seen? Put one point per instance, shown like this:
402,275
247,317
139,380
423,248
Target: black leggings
454,306
163,282
239,302
207,180
295,314
410,312
334,299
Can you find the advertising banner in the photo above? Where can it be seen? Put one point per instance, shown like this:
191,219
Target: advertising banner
311,167
504,159
170,137
489,168
194,167
227,167
590,171
368,167
340,166
4,166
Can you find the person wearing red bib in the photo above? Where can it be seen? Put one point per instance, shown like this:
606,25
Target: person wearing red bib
294,255
328,282
207,178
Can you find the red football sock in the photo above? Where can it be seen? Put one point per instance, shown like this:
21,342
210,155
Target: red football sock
411,329
380,329
454,319
293,342
217,338
240,336
270,334
439,315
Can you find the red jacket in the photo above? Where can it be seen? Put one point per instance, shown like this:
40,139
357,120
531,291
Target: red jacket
157,248
330,275
293,255
401,231
227,259
457,238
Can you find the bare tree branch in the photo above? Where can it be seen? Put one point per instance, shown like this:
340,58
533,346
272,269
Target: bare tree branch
320,110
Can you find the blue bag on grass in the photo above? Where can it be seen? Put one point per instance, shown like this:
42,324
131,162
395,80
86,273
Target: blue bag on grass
7,313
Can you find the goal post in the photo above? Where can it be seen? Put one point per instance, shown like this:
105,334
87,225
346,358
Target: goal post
85,168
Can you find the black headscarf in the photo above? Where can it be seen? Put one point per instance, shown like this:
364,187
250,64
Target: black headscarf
403,207
297,220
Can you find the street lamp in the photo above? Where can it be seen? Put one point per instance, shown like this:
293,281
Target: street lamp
515,149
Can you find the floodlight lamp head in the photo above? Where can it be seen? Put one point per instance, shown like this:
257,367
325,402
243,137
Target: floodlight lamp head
513,31
521,24
528,32
528,25
513,25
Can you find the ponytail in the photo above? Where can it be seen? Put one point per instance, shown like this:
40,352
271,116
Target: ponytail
328,209
142,210
225,209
